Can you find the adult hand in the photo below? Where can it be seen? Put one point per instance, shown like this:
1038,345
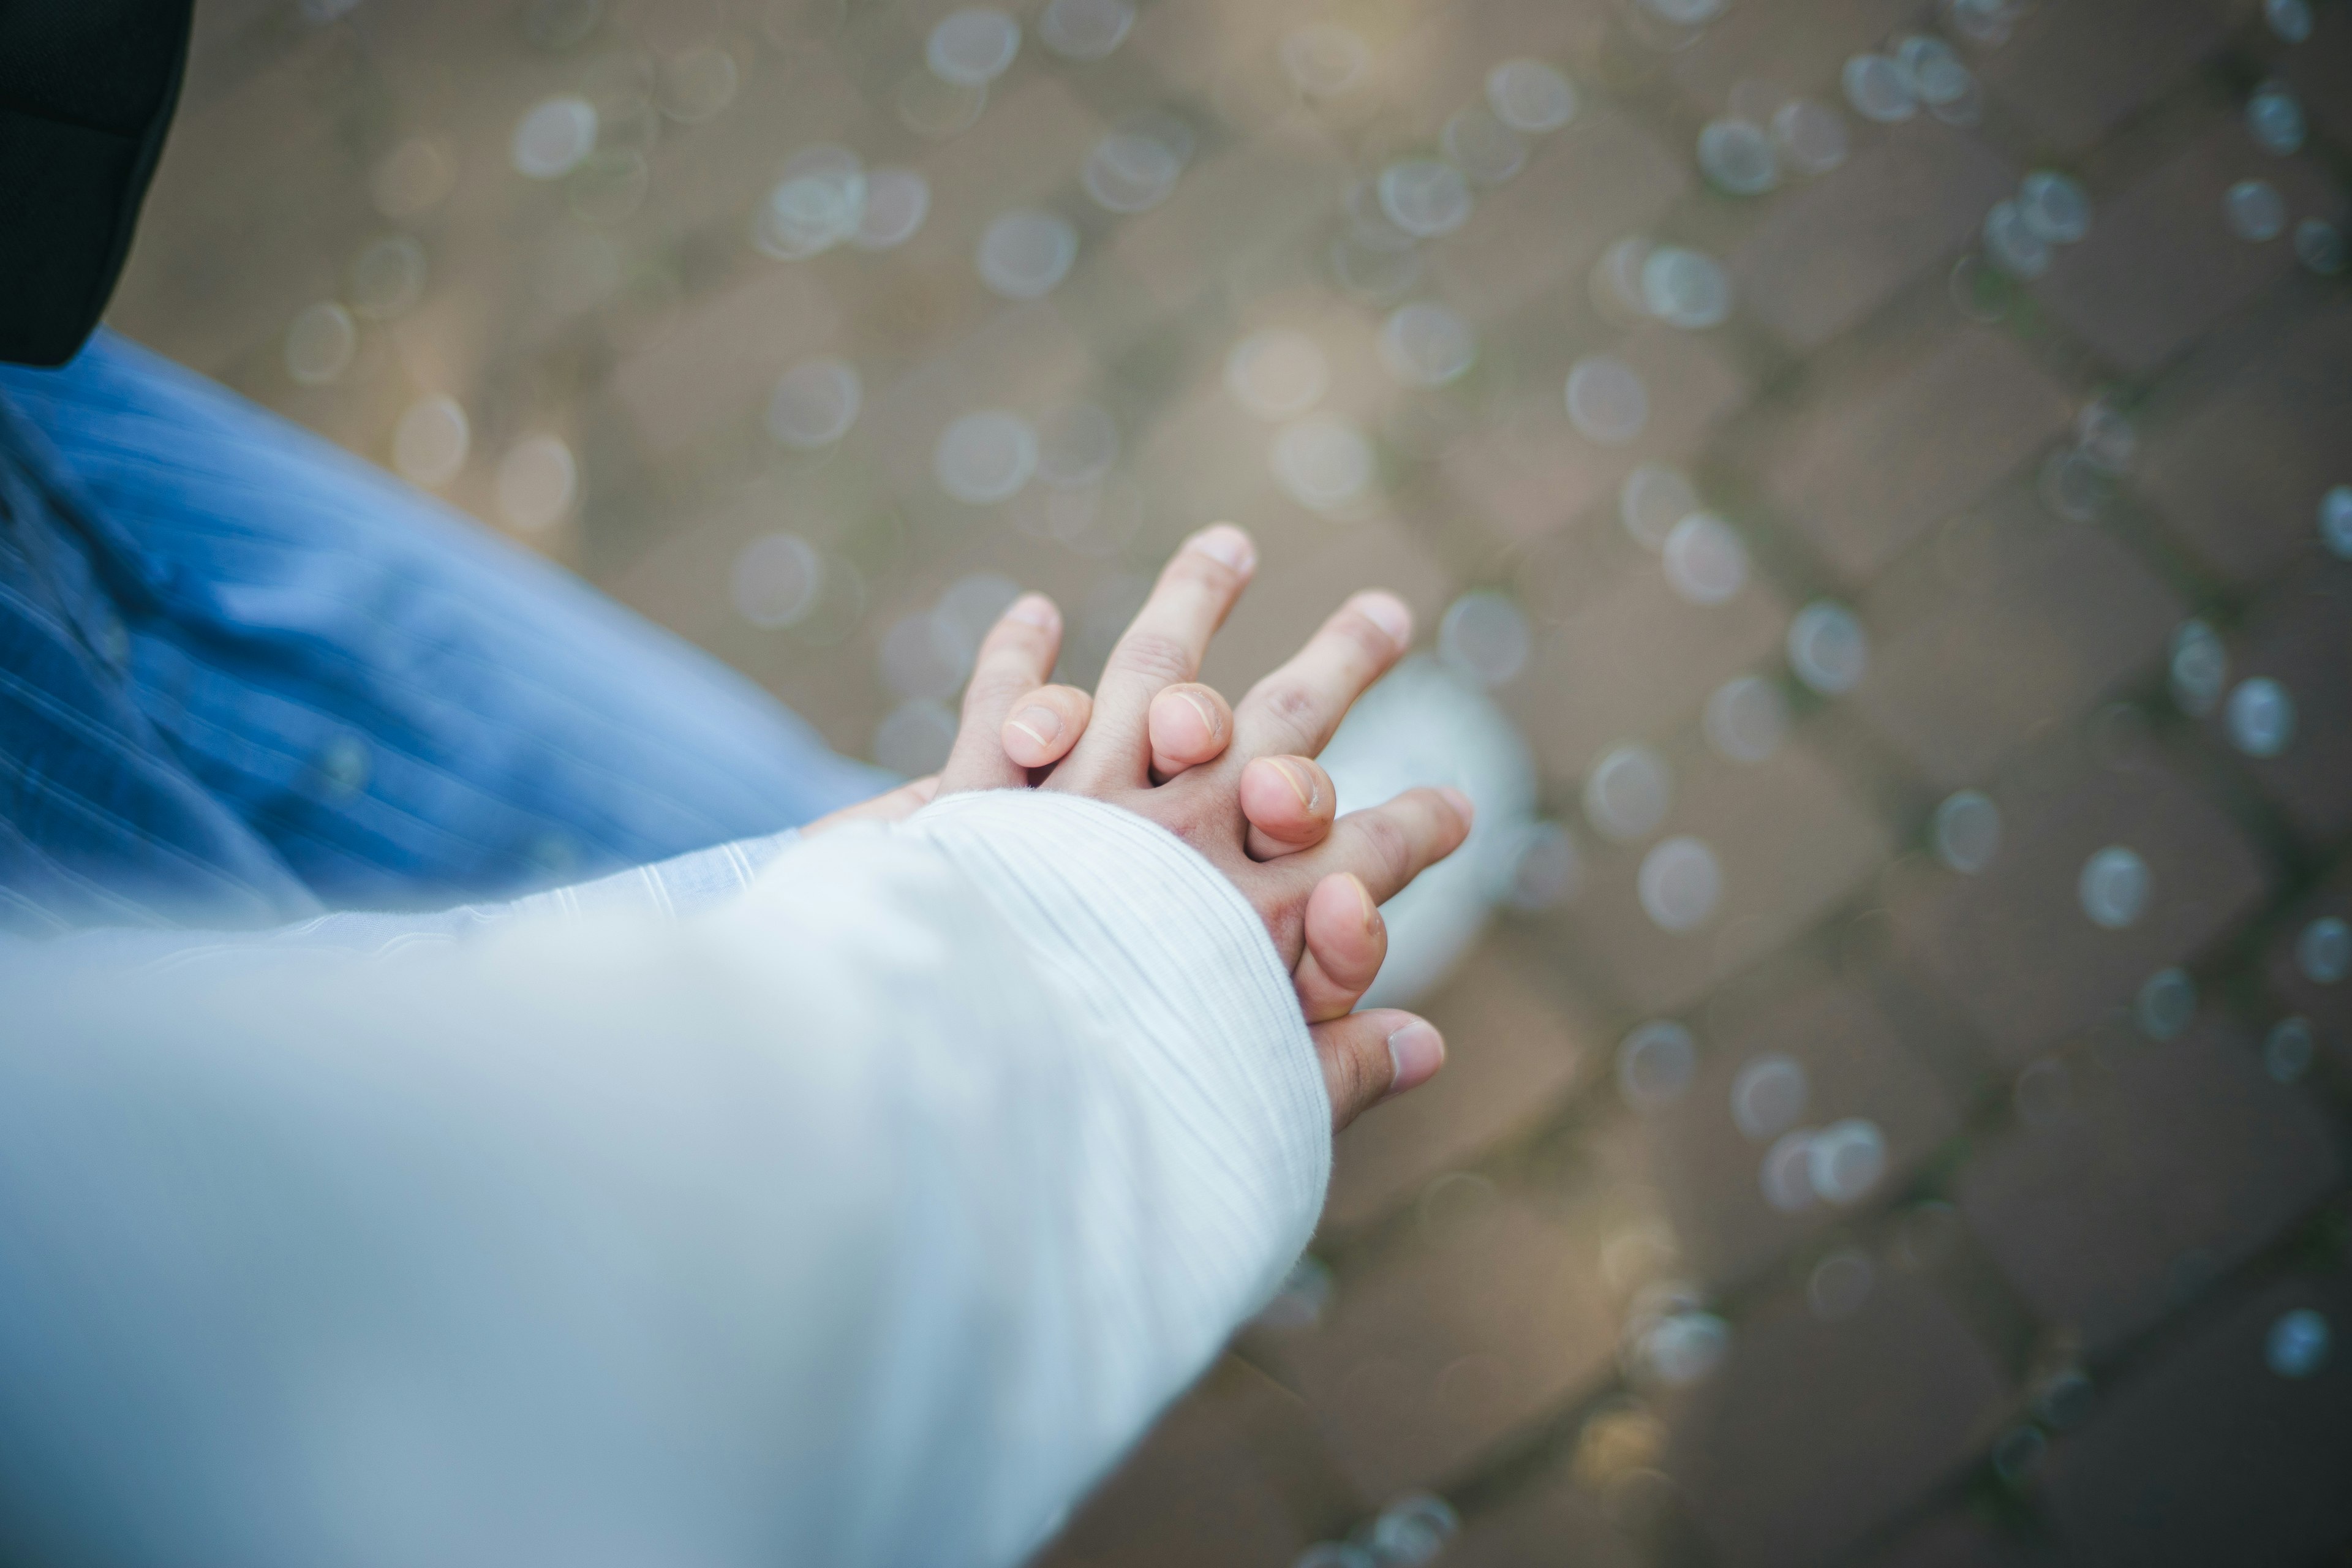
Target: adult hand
1288,801
1242,787
1264,814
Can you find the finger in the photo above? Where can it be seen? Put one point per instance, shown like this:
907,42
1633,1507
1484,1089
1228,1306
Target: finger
1290,802
1190,724
1045,724
893,806
1014,659
1371,1056
1297,708
1346,941
1164,644
1389,845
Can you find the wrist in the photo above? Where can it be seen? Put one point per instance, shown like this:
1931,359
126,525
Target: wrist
1191,1002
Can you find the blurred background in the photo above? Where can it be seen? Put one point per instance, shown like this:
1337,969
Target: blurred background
1891,461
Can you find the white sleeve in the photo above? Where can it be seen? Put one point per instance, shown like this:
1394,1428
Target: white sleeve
861,1221
668,889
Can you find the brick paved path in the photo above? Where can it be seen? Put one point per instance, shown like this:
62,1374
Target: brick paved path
1964,1184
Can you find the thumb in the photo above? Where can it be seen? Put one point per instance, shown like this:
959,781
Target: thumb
1370,1055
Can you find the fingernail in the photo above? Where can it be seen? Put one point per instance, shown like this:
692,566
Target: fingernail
1308,790
1460,803
1387,612
1415,1052
1042,725
1223,542
1207,710
1372,910
1035,610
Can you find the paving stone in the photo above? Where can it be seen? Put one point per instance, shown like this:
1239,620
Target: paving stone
1615,666
2160,266
2013,949
1555,1521
1793,50
1029,144
2012,620
2240,448
1587,186
1855,1063
1812,1432
1791,843
1305,573
2293,988
1465,1319
1514,1051
681,583
2210,1456
211,304
1524,479
1487,1315
825,671
2301,637
1206,455
1229,1475
1250,200
1894,445
721,360
2071,74
2320,70
1024,357
1830,254
1441,63
2158,1166
1536,472
1192,45
1958,1540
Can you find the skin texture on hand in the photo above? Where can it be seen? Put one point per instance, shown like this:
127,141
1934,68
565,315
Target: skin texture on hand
890,806
1240,785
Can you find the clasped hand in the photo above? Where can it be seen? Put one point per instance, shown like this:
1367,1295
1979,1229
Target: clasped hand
1241,786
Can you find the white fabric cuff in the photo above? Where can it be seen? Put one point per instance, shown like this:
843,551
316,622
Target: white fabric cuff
1176,971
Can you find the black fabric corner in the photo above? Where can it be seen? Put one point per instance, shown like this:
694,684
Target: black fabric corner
87,91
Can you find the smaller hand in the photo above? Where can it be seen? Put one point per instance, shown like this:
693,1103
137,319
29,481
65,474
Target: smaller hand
1017,730
1288,801
995,746
890,806
1245,790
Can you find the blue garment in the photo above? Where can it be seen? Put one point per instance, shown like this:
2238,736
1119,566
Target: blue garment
246,678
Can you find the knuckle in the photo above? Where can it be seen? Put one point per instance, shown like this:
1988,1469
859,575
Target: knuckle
1359,1074
1079,775
1343,1071
1006,661
1155,655
1291,703
1386,845
1378,1068
994,688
